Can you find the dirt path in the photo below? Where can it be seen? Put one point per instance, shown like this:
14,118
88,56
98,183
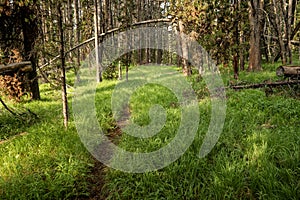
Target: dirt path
98,172
96,182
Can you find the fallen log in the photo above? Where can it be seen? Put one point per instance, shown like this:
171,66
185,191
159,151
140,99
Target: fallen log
288,71
263,85
23,66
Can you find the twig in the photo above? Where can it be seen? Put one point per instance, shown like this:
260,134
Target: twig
14,137
7,108
18,115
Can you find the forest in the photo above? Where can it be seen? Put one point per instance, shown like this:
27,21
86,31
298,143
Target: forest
149,99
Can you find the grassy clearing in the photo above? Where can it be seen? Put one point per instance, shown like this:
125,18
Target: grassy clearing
257,156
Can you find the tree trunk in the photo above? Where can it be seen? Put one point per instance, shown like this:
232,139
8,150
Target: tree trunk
264,85
62,67
289,23
139,18
237,42
30,34
185,54
70,24
120,77
106,18
294,32
278,26
77,36
241,42
97,55
255,16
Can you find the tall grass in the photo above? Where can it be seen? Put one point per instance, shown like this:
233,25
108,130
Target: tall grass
256,157
46,161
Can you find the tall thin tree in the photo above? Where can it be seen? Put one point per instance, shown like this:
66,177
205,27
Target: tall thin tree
62,66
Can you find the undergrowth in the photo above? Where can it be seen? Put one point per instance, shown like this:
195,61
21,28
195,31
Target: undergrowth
256,157
40,159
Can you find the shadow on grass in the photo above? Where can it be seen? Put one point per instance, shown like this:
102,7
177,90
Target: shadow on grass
11,125
28,113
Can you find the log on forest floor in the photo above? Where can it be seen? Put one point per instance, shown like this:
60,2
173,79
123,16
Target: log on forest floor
289,72
267,84
14,67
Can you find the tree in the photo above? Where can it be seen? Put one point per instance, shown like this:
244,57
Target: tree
77,33
63,67
20,30
97,53
255,17
184,49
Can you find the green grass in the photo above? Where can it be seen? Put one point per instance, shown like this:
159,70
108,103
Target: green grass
256,157
47,162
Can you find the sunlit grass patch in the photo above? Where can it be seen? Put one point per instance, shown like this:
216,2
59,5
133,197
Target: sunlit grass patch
257,155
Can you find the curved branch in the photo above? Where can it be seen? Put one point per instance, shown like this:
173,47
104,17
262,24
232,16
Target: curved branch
104,34
7,108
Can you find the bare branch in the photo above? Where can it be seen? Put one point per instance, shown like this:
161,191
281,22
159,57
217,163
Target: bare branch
104,34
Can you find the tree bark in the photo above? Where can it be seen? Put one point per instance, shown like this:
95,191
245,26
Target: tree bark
294,32
289,23
120,77
236,41
77,35
288,71
62,67
242,41
97,54
30,34
263,85
14,67
278,27
255,16
139,18
185,54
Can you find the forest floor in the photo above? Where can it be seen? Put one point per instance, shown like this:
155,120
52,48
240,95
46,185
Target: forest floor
257,155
